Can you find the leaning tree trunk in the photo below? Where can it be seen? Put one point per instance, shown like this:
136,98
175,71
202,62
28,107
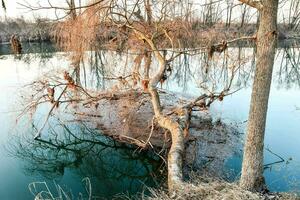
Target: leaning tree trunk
252,169
175,157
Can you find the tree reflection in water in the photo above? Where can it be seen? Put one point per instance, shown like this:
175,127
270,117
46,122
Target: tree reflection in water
288,74
75,147
216,73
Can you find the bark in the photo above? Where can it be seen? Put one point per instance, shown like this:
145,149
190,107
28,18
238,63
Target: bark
252,169
148,11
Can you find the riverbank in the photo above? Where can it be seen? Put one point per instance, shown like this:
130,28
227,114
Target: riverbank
27,31
199,34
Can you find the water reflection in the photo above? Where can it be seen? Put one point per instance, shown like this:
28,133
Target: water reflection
30,48
113,167
236,67
96,68
288,74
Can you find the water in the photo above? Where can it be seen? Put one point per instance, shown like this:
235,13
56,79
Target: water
73,150
282,128
68,152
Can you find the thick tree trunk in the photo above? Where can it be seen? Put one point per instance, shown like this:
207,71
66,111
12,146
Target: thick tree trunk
252,169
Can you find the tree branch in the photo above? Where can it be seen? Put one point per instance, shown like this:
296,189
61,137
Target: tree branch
253,3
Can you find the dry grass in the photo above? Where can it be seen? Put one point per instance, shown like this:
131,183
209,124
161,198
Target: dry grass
198,189
209,189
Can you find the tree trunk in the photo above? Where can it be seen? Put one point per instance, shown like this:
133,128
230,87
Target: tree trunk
252,169
175,155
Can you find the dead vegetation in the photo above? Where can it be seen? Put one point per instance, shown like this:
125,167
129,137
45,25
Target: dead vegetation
203,188
15,45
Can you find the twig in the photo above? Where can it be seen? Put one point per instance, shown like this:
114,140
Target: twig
86,114
151,132
49,113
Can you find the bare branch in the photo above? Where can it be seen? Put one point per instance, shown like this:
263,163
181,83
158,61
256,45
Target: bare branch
253,3
34,8
38,134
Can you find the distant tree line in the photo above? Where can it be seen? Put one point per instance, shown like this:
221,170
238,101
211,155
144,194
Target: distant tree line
38,30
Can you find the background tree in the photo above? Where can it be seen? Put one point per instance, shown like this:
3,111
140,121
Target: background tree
3,4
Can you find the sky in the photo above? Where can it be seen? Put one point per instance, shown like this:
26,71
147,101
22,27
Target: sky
14,9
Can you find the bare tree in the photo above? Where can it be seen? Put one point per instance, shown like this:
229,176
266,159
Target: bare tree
294,15
229,12
211,12
244,13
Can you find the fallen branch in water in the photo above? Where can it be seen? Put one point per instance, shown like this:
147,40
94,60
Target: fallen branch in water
131,140
86,114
